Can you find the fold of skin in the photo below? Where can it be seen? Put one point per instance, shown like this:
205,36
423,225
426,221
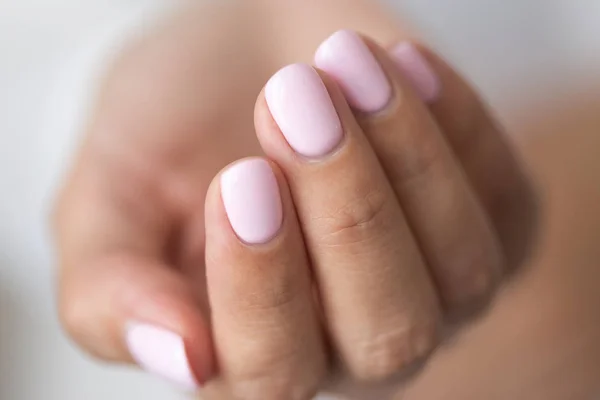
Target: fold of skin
540,340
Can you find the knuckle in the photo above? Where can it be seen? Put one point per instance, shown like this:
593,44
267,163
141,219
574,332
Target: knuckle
472,293
267,300
356,219
480,283
276,364
475,274
85,328
426,153
394,352
416,168
274,379
272,388
73,316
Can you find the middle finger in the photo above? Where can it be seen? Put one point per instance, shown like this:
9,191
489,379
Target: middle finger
379,300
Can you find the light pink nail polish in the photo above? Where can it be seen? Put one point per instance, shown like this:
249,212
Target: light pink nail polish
252,201
301,107
418,71
161,352
346,57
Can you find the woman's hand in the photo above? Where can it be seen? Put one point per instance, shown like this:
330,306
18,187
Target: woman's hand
400,215
373,210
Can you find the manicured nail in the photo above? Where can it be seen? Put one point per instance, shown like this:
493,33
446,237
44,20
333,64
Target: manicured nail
418,71
346,57
161,352
301,106
252,201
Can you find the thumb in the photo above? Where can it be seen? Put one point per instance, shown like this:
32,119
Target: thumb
125,308
119,298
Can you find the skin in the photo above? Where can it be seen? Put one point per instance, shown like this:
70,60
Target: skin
130,222
540,339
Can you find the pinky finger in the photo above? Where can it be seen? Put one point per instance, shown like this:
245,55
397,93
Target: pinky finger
488,158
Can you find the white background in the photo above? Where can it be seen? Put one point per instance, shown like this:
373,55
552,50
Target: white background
518,52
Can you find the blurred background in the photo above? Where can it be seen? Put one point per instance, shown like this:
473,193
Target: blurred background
520,53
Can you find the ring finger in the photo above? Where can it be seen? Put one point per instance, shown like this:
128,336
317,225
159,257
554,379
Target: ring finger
450,225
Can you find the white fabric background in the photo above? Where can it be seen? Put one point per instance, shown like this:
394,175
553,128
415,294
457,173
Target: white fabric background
49,53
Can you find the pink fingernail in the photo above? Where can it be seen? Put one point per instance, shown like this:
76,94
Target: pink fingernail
161,352
346,57
252,202
301,107
418,71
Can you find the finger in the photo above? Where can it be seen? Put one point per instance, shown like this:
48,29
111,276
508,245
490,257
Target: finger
450,225
484,150
378,299
267,334
118,298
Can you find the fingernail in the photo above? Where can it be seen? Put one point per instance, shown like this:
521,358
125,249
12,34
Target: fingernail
252,202
346,57
418,71
161,352
301,107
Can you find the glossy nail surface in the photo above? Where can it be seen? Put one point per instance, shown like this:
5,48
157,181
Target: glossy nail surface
252,201
418,71
300,105
346,57
162,353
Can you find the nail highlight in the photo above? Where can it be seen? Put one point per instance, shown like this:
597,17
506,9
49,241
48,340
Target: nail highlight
346,57
418,71
301,107
252,201
162,353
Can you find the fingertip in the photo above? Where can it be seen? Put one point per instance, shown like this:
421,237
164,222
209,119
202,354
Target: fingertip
171,338
347,58
250,195
131,309
164,353
417,70
244,204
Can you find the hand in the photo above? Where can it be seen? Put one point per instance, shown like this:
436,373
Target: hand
130,226
384,212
